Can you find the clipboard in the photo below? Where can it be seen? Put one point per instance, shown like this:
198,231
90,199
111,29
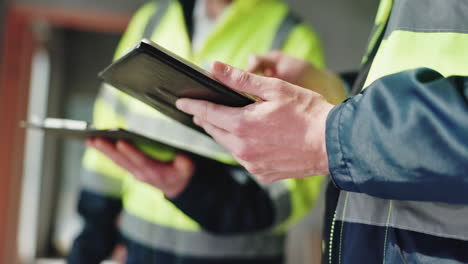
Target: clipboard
157,77
81,130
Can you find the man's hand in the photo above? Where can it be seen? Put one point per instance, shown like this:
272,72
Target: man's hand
281,136
299,72
171,178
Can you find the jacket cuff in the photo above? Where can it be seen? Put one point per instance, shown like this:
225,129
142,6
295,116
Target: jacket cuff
338,121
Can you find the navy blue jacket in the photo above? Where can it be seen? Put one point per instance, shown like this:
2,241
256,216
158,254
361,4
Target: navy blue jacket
402,140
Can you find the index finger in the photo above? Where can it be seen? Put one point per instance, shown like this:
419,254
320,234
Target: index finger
110,150
245,82
137,157
221,116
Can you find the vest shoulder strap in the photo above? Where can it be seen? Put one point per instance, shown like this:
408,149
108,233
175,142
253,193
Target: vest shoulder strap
155,20
290,21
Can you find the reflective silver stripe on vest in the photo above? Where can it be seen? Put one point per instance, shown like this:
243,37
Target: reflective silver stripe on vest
200,244
162,7
99,183
290,21
437,219
429,16
176,134
110,95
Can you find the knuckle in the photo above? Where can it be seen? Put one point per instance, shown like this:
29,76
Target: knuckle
264,178
140,175
240,128
204,111
280,87
141,161
244,153
284,91
242,78
255,169
211,107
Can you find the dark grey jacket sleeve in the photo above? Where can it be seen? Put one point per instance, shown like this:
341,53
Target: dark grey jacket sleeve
405,137
223,205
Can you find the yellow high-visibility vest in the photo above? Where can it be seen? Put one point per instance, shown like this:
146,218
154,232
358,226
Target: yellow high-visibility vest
247,27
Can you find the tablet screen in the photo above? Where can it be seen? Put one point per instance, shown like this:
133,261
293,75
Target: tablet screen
158,78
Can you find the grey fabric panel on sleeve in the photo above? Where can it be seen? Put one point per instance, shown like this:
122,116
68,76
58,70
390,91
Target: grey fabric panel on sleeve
290,21
162,7
430,16
438,219
201,243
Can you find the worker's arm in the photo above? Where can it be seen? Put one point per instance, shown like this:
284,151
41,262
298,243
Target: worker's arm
226,200
99,236
219,197
405,137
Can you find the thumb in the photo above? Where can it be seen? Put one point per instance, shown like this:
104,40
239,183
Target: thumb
265,65
243,81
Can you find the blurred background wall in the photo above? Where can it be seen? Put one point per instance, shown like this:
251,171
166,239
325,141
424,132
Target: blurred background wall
343,25
75,54
2,26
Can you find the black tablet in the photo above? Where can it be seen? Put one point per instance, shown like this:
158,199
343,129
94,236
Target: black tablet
158,78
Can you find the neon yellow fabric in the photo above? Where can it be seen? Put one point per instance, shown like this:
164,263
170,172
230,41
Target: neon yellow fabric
382,16
383,12
403,50
311,52
104,117
237,35
96,161
135,29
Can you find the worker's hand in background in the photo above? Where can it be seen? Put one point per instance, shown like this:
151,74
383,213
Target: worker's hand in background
170,177
280,136
299,72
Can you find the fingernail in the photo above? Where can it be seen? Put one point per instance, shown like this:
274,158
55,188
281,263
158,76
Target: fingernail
196,120
220,68
120,144
180,104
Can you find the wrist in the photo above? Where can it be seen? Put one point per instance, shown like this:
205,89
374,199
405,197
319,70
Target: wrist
177,182
177,187
321,149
